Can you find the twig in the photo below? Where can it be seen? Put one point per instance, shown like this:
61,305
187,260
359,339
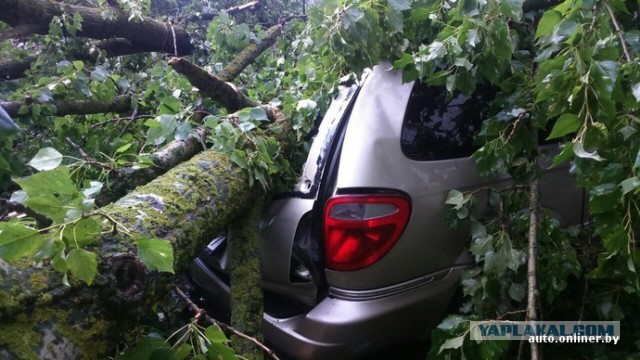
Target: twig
118,119
200,313
132,118
85,157
41,220
627,55
508,313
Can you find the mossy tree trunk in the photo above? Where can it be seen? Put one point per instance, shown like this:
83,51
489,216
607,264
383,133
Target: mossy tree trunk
41,318
246,281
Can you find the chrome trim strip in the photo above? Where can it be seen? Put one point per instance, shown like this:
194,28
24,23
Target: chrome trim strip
373,294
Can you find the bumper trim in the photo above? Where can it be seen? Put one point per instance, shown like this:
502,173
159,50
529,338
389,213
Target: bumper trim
363,295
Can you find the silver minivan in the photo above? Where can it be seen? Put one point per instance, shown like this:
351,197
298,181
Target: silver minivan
359,256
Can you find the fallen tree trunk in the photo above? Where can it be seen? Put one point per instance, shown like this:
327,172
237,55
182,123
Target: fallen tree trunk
187,206
145,34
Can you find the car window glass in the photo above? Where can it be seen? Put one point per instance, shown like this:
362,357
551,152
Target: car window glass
436,127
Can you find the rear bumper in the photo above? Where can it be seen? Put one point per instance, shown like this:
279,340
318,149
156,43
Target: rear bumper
352,324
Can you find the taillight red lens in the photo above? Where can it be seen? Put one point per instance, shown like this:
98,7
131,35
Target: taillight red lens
360,229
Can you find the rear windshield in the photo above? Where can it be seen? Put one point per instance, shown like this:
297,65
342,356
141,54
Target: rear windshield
437,128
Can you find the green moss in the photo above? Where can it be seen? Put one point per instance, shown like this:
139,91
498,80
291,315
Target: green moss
246,290
38,281
20,339
58,332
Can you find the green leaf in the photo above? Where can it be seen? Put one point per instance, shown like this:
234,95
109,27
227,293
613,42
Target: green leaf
259,114
46,159
17,240
100,74
516,292
630,184
604,75
512,8
455,198
48,205
56,181
239,157
636,164
405,60
548,22
400,5
144,348
83,265
470,8
566,154
453,343
396,20
169,105
156,254
84,232
215,335
436,50
221,352
566,124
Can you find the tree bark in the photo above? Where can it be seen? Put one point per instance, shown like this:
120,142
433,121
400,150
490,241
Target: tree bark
119,104
223,93
146,34
10,70
246,281
249,54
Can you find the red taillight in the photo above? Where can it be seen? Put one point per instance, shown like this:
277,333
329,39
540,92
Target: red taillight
360,229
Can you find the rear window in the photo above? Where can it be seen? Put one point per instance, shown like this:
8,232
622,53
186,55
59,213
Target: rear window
437,128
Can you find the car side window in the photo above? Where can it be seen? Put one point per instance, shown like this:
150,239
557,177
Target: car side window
437,128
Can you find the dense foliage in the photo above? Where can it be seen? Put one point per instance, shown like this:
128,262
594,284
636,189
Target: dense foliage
567,74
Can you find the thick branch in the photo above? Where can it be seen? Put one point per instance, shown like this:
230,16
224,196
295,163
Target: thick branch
9,206
10,70
75,107
20,31
249,54
128,178
210,86
147,34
